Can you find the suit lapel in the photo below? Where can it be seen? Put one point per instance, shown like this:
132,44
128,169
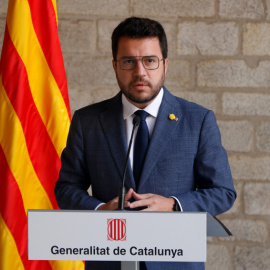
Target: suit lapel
162,134
114,131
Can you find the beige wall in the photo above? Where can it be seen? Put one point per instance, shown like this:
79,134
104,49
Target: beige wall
218,57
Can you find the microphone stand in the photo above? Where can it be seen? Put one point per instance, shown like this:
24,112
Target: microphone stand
121,201
122,193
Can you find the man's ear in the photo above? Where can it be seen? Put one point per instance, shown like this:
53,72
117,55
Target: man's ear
114,63
166,62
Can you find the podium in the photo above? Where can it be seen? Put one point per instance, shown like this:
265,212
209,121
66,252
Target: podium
125,236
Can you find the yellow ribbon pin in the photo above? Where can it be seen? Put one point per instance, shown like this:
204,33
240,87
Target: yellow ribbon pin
173,117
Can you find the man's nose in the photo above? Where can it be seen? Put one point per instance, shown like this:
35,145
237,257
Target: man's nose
140,69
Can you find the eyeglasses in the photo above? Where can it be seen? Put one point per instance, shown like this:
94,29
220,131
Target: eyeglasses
130,62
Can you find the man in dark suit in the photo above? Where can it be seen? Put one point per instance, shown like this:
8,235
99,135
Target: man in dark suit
185,167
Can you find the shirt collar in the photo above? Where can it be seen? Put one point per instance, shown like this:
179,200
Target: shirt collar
152,108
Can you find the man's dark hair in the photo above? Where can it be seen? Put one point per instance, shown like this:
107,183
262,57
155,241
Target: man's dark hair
137,28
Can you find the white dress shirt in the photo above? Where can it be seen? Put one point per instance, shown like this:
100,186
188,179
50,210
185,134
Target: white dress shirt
128,114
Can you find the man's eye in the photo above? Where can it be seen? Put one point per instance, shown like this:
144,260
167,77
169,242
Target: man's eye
150,60
129,61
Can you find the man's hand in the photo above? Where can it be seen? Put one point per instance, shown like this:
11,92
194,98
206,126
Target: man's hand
153,202
113,204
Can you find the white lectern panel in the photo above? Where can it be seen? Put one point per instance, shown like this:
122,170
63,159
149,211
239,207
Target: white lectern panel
116,235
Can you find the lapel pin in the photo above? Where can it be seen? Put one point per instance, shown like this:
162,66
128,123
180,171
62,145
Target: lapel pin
173,117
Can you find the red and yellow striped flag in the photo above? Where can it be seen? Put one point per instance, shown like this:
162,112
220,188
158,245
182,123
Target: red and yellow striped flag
34,123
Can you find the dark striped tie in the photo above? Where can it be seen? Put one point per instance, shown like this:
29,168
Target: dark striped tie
140,147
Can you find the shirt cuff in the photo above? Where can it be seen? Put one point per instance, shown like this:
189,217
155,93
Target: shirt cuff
98,206
181,209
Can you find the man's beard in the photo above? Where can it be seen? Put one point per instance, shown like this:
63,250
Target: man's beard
141,100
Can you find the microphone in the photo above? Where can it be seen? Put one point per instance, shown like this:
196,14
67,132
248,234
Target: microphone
121,201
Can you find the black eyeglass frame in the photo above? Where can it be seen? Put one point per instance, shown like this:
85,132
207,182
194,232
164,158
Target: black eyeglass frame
142,57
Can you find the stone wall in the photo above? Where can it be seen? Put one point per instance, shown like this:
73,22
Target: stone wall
219,57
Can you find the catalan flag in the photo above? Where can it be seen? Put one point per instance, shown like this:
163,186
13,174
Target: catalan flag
34,123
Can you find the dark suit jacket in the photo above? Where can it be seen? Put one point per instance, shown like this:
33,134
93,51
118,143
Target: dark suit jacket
185,159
